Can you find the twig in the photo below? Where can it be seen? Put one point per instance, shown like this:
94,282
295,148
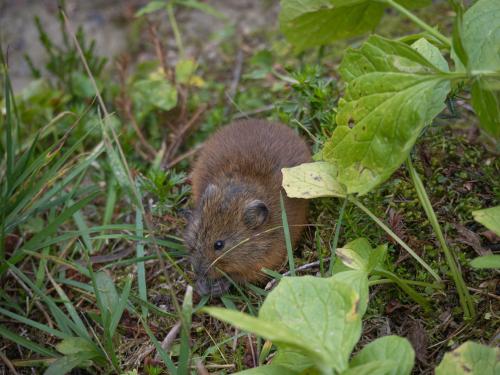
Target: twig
202,370
159,49
231,93
8,363
185,155
254,112
169,339
179,137
484,293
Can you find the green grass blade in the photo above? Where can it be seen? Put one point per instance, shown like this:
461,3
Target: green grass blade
336,237
51,228
30,345
32,323
65,324
118,312
141,270
288,241
185,351
465,298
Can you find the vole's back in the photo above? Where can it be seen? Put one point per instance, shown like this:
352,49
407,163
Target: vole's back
251,150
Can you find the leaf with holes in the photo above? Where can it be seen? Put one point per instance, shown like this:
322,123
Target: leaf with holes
470,358
392,93
312,180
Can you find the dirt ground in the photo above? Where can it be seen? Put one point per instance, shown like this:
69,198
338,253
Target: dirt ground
110,24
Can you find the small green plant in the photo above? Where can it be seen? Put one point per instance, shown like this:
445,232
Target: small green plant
168,189
394,89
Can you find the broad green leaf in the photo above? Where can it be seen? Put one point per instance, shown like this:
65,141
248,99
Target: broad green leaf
489,217
311,180
392,348
377,257
73,345
358,280
65,364
293,360
431,53
277,332
269,370
486,261
108,294
322,312
480,39
312,316
155,91
481,35
318,22
373,368
486,103
392,93
470,358
352,259
184,70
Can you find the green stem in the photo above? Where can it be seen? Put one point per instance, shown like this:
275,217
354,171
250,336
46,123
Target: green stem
401,9
336,238
175,29
463,292
396,238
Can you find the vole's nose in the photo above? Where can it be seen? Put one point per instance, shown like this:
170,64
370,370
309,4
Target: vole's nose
214,288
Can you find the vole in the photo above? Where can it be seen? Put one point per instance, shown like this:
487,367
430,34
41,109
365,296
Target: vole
236,225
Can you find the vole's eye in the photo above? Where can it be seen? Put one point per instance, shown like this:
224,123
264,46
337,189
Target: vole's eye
218,245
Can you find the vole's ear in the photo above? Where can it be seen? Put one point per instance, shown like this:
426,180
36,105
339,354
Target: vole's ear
256,214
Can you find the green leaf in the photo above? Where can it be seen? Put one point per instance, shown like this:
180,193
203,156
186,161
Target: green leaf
486,103
470,358
157,92
323,312
312,180
318,22
184,70
73,345
316,317
394,348
486,261
372,368
480,39
431,53
481,35
65,364
357,280
352,259
392,93
269,370
489,217
108,294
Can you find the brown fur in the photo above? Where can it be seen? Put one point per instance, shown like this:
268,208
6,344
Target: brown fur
240,168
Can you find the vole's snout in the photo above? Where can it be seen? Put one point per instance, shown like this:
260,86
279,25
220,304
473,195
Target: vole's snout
205,284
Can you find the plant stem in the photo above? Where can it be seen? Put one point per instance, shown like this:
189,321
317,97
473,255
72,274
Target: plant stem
336,238
396,238
175,29
463,292
401,9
